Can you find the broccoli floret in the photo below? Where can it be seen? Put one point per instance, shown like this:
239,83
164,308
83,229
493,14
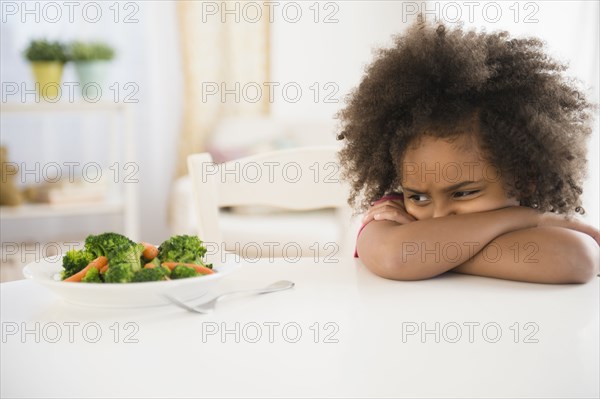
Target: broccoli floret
129,254
181,271
103,244
92,276
74,261
118,273
182,248
153,274
123,262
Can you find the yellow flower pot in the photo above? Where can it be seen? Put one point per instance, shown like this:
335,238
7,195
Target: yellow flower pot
48,74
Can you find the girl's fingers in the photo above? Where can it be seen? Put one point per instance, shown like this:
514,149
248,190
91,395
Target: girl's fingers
385,205
371,214
392,216
550,219
374,210
592,232
388,210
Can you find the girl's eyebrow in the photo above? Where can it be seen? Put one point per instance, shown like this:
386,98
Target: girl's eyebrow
447,189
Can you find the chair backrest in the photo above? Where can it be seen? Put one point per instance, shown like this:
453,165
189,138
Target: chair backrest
295,179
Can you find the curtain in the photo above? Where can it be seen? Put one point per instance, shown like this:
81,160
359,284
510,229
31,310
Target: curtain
225,58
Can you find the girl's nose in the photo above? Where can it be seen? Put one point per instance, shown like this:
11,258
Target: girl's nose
443,209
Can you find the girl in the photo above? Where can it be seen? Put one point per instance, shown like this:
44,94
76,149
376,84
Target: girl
481,142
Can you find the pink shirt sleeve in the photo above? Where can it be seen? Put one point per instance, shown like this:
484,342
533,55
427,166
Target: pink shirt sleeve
393,196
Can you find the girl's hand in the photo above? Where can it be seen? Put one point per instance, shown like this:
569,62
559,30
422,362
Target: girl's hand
392,210
554,220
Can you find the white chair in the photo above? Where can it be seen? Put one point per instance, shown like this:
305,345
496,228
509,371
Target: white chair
295,179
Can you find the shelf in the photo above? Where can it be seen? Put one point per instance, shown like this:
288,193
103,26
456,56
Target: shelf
55,210
121,121
61,106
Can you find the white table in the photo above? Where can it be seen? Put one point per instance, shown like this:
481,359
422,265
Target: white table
361,336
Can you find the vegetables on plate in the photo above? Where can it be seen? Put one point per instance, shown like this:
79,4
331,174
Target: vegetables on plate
113,258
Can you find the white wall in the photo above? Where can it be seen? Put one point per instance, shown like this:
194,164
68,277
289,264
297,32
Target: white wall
333,52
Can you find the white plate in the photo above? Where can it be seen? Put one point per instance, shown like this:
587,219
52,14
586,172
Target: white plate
47,272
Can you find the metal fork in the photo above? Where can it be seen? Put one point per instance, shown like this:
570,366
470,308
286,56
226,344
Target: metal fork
208,307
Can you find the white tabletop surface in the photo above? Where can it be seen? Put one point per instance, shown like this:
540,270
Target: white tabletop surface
340,332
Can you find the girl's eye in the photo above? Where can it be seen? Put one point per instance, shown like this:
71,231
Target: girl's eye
418,198
460,194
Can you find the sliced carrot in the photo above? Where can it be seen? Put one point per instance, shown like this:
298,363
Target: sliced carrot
199,268
104,269
98,263
149,265
150,251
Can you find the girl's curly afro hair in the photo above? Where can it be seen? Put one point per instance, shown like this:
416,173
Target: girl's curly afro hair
531,122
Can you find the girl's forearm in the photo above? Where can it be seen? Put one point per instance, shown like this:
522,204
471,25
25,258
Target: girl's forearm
426,248
552,255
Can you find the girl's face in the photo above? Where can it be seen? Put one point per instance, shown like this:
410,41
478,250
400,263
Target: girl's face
442,178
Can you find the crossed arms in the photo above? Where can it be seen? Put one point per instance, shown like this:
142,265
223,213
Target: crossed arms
513,243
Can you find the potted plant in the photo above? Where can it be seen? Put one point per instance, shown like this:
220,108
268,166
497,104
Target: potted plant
91,62
47,62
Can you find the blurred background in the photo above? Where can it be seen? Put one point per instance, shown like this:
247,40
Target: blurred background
152,81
